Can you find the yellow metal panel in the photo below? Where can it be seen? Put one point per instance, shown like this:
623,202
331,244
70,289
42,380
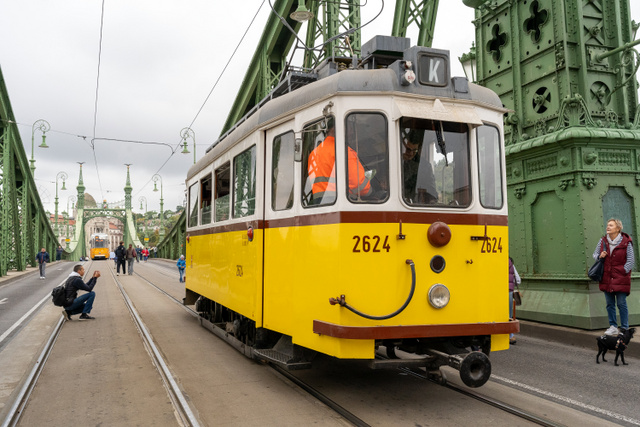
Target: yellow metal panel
305,266
227,268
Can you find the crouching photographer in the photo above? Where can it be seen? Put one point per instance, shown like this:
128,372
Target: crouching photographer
83,303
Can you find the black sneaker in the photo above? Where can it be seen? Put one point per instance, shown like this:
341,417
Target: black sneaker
66,315
85,316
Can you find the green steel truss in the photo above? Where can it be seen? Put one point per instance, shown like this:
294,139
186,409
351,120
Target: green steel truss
24,224
173,244
420,13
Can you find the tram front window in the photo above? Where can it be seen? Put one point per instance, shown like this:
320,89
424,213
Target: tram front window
435,163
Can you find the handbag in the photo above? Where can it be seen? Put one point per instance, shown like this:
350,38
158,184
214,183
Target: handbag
597,270
517,298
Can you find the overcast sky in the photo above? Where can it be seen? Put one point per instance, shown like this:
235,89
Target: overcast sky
159,61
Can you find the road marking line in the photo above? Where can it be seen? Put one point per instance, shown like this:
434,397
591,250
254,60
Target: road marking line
23,318
3,301
570,401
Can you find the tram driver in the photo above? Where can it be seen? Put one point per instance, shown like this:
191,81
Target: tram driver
322,171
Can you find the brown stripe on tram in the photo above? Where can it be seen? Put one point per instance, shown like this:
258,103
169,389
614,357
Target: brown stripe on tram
350,217
414,331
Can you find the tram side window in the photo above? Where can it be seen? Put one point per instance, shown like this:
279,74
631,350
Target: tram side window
223,175
205,204
319,160
367,162
193,205
244,183
489,167
282,172
435,163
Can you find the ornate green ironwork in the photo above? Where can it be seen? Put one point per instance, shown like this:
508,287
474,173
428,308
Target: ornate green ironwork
24,225
566,69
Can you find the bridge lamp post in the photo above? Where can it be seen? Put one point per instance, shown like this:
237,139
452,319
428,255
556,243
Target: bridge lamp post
143,199
73,200
155,178
469,64
64,177
188,133
43,126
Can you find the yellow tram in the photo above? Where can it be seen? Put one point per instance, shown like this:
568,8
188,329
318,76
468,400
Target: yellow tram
401,243
99,243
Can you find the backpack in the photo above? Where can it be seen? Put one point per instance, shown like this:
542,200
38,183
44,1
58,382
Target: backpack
59,296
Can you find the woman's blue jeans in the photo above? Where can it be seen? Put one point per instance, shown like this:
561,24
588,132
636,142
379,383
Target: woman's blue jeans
621,299
181,274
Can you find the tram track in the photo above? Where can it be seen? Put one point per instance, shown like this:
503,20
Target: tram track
177,397
484,399
308,388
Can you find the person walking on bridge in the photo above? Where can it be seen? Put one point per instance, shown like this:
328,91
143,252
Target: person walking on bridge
121,256
42,258
83,303
131,256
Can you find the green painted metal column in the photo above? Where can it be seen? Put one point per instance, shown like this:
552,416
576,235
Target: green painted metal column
573,143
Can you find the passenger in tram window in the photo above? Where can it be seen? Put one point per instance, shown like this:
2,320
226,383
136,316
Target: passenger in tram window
131,256
418,178
83,303
182,264
616,248
42,258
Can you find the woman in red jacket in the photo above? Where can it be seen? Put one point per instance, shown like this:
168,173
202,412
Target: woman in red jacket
617,250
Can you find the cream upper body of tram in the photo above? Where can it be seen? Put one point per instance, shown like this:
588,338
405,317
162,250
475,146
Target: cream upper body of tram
427,243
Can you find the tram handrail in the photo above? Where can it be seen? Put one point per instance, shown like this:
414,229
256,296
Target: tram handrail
341,301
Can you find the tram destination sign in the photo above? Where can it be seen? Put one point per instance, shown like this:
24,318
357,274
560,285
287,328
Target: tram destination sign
433,70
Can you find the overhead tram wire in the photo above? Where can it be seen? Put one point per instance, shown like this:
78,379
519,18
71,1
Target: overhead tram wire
95,107
174,150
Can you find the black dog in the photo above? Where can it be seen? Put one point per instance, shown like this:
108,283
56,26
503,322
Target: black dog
618,343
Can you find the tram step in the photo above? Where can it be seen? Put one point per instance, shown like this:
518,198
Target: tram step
282,359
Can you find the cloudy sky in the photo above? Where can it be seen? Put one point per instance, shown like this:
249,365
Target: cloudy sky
159,61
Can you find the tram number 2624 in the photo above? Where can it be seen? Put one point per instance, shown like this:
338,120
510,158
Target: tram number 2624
371,244
491,245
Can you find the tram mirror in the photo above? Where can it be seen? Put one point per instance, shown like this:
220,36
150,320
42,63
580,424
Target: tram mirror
297,150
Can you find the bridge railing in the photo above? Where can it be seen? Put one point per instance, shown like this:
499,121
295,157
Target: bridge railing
174,243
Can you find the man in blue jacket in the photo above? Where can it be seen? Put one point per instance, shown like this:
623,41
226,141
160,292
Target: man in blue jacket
83,303
42,258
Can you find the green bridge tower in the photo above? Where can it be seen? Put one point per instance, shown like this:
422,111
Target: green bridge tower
567,70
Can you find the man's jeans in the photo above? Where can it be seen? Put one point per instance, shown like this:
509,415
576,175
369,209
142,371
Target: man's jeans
621,298
130,267
82,304
42,268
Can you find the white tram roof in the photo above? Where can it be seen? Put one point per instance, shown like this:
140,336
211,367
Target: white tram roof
355,82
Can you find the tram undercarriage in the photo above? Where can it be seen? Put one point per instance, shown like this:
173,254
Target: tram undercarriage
469,355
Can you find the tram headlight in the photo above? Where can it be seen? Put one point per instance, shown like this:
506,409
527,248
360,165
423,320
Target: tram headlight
439,296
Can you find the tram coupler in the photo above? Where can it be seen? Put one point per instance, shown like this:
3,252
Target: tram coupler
474,367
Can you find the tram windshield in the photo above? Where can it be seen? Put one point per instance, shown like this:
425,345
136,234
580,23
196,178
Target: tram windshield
435,163
100,241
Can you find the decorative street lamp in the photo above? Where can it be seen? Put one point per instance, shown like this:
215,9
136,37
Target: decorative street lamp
155,178
64,176
43,126
188,133
73,200
469,63
143,199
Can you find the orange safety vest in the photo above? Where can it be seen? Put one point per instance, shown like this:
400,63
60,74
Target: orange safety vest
322,171
322,167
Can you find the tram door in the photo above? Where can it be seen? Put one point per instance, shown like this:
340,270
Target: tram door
281,204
